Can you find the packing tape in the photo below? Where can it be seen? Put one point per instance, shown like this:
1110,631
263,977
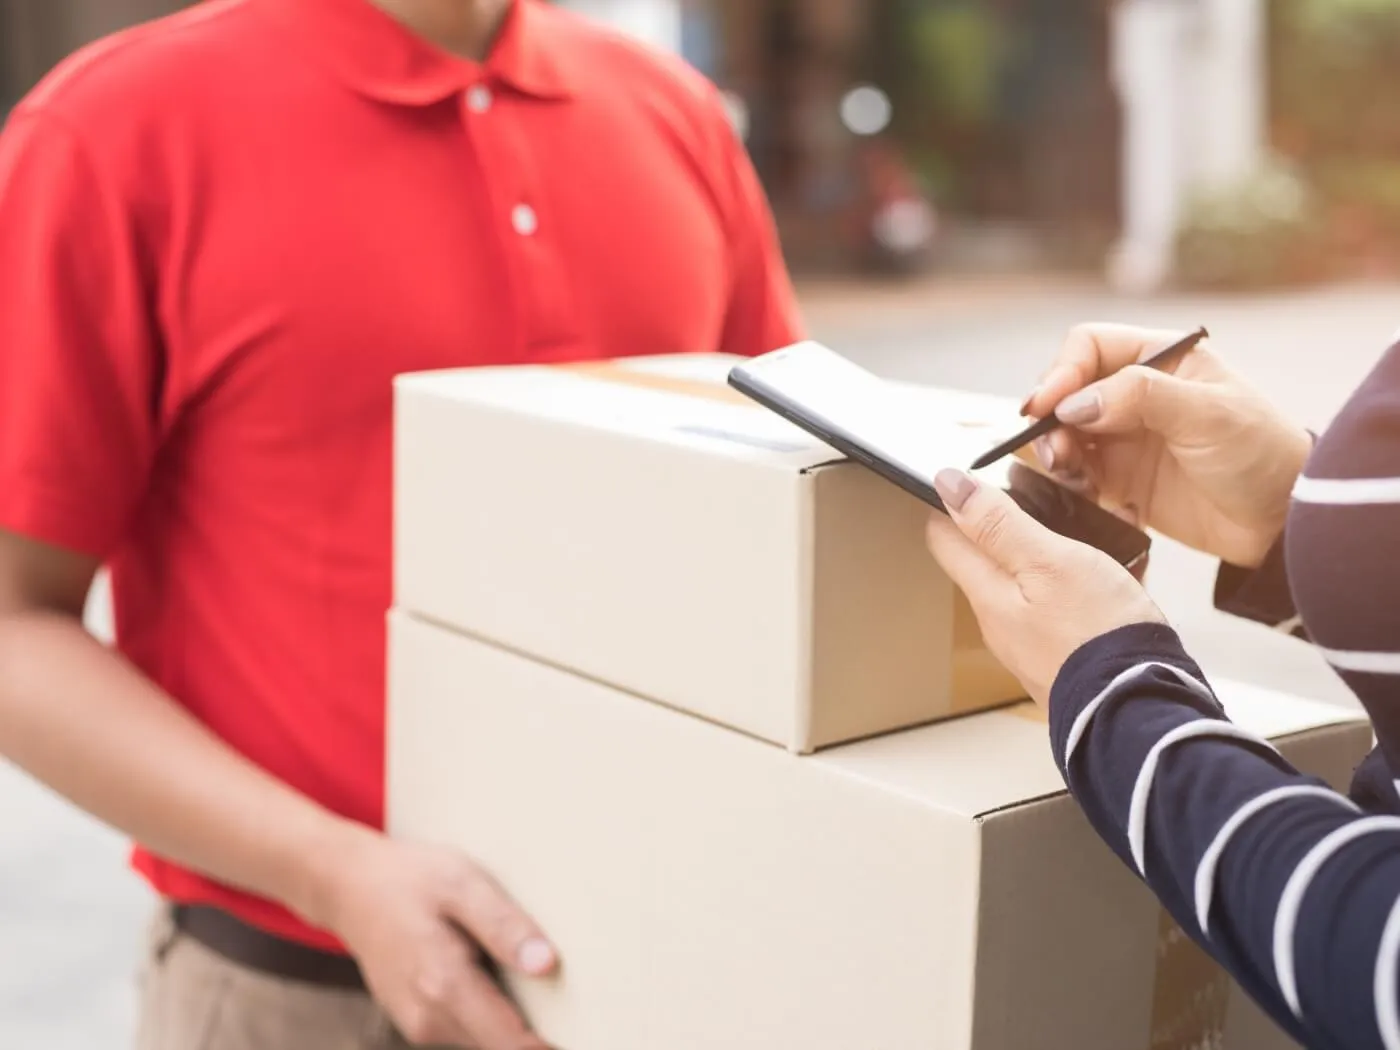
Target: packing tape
1190,991
1190,995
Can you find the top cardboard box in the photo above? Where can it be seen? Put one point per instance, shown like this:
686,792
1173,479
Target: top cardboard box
639,523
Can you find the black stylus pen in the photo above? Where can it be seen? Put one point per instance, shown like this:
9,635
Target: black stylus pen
1158,360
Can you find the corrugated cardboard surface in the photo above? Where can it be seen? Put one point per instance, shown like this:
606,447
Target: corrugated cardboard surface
879,623
609,554
660,520
701,884
931,889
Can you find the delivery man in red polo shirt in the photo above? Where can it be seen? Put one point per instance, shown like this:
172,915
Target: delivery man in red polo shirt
221,236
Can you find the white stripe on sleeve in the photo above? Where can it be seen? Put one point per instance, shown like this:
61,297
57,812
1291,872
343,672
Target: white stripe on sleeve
1081,722
1142,787
1347,492
1291,900
1210,859
1387,970
1361,662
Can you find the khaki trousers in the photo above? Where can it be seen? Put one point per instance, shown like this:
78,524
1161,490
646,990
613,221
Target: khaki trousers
194,999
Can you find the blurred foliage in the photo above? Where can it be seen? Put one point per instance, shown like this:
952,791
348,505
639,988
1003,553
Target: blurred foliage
957,52
940,61
1366,185
1264,232
1324,15
1331,206
1336,73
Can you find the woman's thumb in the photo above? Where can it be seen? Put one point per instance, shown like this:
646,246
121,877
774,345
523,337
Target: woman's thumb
993,521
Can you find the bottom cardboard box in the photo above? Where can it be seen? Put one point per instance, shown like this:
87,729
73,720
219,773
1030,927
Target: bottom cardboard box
934,889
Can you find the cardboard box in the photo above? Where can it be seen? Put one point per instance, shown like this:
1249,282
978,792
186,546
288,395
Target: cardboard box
640,523
933,889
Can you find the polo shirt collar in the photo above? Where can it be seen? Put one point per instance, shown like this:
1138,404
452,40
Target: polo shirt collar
380,57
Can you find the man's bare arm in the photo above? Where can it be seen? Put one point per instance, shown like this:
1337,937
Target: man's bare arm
81,719
78,717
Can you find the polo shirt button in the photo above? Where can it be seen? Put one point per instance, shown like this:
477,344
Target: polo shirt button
524,219
478,98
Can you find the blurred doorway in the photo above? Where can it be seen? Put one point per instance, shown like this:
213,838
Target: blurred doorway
1002,110
36,34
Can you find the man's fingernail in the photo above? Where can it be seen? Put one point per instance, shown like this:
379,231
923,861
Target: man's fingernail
535,956
1045,452
1083,406
954,488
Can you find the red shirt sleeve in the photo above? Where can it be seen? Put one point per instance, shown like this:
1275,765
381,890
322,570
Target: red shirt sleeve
78,352
763,313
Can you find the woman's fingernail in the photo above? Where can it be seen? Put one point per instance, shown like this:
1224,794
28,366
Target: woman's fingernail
954,488
535,956
1129,513
1083,406
1026,404
1045,452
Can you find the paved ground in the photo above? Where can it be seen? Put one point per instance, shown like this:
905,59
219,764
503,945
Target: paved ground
70,915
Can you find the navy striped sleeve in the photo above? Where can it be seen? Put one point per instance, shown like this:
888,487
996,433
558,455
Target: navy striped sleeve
1343,551
1287,883
1263,594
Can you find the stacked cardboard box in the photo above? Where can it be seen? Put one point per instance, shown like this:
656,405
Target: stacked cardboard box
687,683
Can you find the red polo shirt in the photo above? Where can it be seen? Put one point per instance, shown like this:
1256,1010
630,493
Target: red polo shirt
221,236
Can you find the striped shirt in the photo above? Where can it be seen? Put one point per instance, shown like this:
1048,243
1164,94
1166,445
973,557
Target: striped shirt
1293,887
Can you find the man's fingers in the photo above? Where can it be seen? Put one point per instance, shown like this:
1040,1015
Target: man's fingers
1000,530
478,904
458,1004
482,1010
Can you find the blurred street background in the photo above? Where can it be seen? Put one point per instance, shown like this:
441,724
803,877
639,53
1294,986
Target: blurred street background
957,182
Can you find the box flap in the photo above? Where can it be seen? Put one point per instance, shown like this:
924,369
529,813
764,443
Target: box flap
681,400
1275,715
1001,759
684,399
968,766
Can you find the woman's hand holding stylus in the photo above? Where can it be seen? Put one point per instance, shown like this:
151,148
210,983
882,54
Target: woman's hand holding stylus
1193,452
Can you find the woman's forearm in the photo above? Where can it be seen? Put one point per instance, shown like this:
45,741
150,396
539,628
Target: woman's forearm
1280,878
82,720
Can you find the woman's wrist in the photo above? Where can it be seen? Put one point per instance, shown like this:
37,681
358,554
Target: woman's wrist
1295,448
1101,661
